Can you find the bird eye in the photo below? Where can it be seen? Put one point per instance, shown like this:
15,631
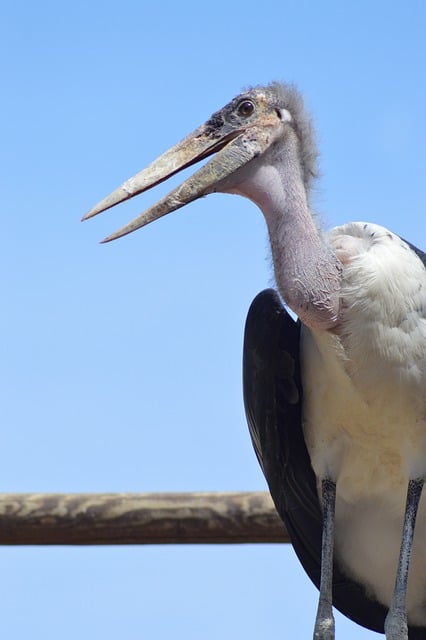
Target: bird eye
246,108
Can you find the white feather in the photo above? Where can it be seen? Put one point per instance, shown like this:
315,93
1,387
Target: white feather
365,407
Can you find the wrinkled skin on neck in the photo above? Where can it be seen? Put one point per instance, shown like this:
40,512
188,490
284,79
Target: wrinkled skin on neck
307,272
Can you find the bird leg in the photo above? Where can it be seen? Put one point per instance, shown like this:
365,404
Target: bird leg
324,622
396,627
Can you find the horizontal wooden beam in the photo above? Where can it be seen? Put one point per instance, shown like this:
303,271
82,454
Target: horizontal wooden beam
138,518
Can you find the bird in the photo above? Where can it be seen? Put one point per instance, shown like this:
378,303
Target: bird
334,362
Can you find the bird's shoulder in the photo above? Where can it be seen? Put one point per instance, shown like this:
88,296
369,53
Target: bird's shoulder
383,276
355,239
383,303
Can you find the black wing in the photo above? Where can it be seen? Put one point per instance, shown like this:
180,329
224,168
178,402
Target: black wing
273,399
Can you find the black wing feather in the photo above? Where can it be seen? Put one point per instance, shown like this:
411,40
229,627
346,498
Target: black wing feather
273,400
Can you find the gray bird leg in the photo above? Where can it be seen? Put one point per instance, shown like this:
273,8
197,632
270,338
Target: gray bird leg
396,627
324,622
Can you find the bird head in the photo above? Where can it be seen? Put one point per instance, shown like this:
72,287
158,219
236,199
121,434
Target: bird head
244,130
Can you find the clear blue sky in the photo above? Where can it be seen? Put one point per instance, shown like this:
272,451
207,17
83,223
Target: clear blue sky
120,364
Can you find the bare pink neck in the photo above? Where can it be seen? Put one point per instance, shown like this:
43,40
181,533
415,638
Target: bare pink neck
306,269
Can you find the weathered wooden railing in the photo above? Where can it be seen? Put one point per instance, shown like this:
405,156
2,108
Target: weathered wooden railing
138,518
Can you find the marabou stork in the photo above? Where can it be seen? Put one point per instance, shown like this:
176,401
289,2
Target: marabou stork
336,402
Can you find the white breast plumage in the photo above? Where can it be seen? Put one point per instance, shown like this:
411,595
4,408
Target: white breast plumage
365,404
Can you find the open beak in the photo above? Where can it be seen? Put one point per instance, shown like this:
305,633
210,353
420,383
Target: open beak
233,146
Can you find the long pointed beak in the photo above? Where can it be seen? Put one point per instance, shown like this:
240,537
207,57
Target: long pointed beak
233,149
